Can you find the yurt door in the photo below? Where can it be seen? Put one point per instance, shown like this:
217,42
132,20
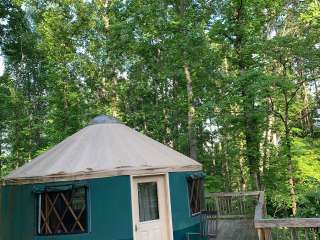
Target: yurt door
150,208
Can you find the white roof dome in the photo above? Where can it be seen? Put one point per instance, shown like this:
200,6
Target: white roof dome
104,148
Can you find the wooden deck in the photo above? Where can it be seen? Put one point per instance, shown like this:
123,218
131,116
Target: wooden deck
235,214
236,229
241,216
284,228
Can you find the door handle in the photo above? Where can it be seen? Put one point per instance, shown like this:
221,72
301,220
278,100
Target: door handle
136,227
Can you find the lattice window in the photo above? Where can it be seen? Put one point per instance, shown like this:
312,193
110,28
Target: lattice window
63,212
196,197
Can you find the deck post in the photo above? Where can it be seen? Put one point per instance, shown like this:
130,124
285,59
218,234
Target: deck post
217,205
267,234
261,234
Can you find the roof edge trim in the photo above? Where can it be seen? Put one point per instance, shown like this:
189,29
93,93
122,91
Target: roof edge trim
98,174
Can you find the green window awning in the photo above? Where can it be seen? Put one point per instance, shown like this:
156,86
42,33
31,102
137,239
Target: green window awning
56,188
196,175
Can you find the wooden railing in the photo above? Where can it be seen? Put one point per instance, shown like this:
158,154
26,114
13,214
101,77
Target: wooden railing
285,228
235,213
233,205
251,205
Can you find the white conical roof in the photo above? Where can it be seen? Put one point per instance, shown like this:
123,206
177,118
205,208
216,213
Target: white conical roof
104,148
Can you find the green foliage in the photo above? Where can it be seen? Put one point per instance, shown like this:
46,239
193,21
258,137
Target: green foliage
253,65
310,200
307,156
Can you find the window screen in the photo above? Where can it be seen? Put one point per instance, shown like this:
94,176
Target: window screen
195,189
148,201
63,212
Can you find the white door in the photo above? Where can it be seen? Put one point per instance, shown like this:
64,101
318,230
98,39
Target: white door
150,208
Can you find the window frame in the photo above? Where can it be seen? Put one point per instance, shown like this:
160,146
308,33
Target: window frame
157,216
48,189
200,198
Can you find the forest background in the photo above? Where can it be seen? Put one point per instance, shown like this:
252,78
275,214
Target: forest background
233,84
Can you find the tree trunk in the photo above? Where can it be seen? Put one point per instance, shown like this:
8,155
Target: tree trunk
191,114
291,172
243,184
252,147
166,126
289,157
250,129
225,165
251,133
307,119
105,18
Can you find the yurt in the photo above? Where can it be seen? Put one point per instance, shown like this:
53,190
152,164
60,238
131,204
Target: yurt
105,182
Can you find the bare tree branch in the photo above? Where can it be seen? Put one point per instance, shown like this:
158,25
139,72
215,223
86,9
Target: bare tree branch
276,113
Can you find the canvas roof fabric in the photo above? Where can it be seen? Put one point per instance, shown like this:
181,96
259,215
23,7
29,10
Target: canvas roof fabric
104,148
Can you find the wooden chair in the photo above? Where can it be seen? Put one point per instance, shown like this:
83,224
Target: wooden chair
208,226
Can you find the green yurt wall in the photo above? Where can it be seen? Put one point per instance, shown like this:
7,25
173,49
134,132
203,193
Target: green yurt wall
182,220
110,211
109,203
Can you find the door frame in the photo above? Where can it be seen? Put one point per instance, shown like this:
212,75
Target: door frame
167,189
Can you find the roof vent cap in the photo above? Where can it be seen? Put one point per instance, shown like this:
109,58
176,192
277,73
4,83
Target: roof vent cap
103,119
